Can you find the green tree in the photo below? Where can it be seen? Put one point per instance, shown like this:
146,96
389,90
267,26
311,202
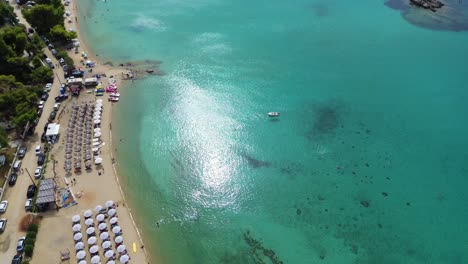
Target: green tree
3,138
44,17
36,61
18,66
61,35
6,12
8,83
41,74
16,38
28,250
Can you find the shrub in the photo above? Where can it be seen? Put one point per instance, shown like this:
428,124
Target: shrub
28,250
30,241
25,262
33,228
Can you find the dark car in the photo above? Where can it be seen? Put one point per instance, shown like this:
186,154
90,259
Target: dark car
50,46
17,259
22,152
52,115
44,97
54,52
20,245
13,178
31,30
61,98
40,159
31,191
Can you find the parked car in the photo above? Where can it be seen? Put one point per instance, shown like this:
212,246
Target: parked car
40,159
28,205
31,30
48,87
3,223
13,178
3,206
38,150
62,61
52,115
44,97
38,172
17,165
50,46
20,245
22,152
31,191
56,106
40,105
54,52
61,98
17,259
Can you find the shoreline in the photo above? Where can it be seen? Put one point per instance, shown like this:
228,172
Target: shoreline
84,43
88,186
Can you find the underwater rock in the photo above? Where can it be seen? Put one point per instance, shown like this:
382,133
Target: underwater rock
427,4
384,194
298,211
365,203
255,163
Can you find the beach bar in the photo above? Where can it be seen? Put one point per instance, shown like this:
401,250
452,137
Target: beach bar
53,131
46,195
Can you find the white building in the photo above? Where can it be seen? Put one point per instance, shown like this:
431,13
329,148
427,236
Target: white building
53,131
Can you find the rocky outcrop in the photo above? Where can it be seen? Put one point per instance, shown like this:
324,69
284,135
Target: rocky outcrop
432,5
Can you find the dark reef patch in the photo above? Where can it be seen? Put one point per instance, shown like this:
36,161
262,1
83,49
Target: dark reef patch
453,16
255,163
319,9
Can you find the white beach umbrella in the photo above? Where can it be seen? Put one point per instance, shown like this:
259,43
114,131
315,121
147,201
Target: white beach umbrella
97,129
90,230
98,160
118,239
97,122
104,235
102,226
76,218
110,262
89,222
113,220
109,203
96,117
95,259
124,259
88,213
100,217
79,246
121,248
97,134
109,254
77,236
80,254
93,249
98,208
92,240
84,262
106,244
76,228
112,212
116,229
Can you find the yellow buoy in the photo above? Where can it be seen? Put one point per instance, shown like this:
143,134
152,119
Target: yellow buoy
134,247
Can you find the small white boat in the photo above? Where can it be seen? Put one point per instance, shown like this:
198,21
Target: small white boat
273,114
114,94
113,99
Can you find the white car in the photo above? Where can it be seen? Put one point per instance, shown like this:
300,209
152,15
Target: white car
3,206
56,106
3,223
41,105
28,205
38,172
48,60
48,87
38,150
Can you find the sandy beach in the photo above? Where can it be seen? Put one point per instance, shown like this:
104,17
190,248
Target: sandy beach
89,187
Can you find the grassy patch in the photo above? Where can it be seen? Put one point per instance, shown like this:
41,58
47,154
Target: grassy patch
9,154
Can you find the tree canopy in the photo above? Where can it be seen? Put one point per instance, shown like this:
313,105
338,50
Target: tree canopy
44,17
60,34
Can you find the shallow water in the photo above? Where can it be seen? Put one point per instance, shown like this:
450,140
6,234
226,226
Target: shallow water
366,164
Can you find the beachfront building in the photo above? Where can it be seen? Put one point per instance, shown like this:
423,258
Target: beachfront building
46,195
52,133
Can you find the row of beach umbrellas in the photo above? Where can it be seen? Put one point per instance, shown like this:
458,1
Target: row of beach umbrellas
106,244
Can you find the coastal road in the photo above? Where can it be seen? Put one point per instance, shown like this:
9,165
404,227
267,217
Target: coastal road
16,195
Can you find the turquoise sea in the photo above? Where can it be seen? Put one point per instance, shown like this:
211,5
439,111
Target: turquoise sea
368,162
